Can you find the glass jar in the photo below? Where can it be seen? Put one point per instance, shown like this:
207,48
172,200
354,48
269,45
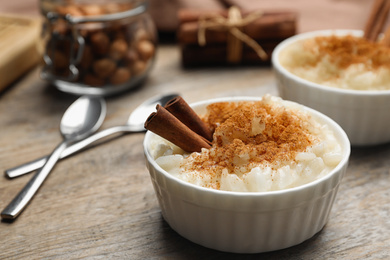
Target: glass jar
97,47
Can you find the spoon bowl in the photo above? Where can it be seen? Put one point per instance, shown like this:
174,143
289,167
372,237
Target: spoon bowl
82,118
134,124
138,117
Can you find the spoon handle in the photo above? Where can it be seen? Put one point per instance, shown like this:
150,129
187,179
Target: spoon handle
38,163
21,200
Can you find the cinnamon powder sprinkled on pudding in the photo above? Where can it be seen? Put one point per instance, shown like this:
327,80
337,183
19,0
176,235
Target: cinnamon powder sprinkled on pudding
349,50
250,133
346,62
257,146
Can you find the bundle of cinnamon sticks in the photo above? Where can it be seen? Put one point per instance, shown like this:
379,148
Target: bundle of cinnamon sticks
376,21
264,28
178,123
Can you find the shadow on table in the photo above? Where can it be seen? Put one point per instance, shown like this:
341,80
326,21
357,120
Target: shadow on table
178,247
371,157
373,150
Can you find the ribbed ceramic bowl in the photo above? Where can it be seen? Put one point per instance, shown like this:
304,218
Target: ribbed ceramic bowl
247,222
364,115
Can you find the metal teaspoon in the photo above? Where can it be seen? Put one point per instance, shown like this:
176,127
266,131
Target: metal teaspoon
135,123
82,118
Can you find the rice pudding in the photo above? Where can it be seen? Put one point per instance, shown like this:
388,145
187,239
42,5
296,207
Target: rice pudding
347,62
257,146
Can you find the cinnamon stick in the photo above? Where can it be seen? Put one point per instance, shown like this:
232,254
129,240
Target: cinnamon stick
194,55
270,25
182,111
377,19
169,127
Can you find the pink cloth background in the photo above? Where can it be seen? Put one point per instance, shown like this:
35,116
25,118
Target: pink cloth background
313,14
321,14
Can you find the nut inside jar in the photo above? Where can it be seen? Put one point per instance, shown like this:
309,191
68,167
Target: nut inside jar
116,50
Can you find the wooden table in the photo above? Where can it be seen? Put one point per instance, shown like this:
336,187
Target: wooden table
101,204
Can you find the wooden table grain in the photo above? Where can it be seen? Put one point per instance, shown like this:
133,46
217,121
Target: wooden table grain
100,204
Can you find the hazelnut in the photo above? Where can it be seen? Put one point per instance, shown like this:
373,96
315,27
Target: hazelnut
138,67
104,68
120,34
92,10
126,6
65,73
91,80
105,49
121,75
60,60
73,10
111,8
131,56
60,27
100,43
141,35
84,33
87,58
118,49
116,25
145,49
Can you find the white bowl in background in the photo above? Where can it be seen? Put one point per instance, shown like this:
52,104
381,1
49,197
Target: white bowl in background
364,115
247,222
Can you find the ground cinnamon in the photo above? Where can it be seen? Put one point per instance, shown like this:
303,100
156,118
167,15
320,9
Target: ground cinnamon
169,127
182,111
386,38
239,137
348,50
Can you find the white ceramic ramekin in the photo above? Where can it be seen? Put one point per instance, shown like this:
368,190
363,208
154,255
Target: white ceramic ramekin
364,115
247,222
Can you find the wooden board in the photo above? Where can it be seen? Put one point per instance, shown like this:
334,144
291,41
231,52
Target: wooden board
19,43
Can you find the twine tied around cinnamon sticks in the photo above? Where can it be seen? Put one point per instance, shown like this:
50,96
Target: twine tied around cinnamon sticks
178,123
236,37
